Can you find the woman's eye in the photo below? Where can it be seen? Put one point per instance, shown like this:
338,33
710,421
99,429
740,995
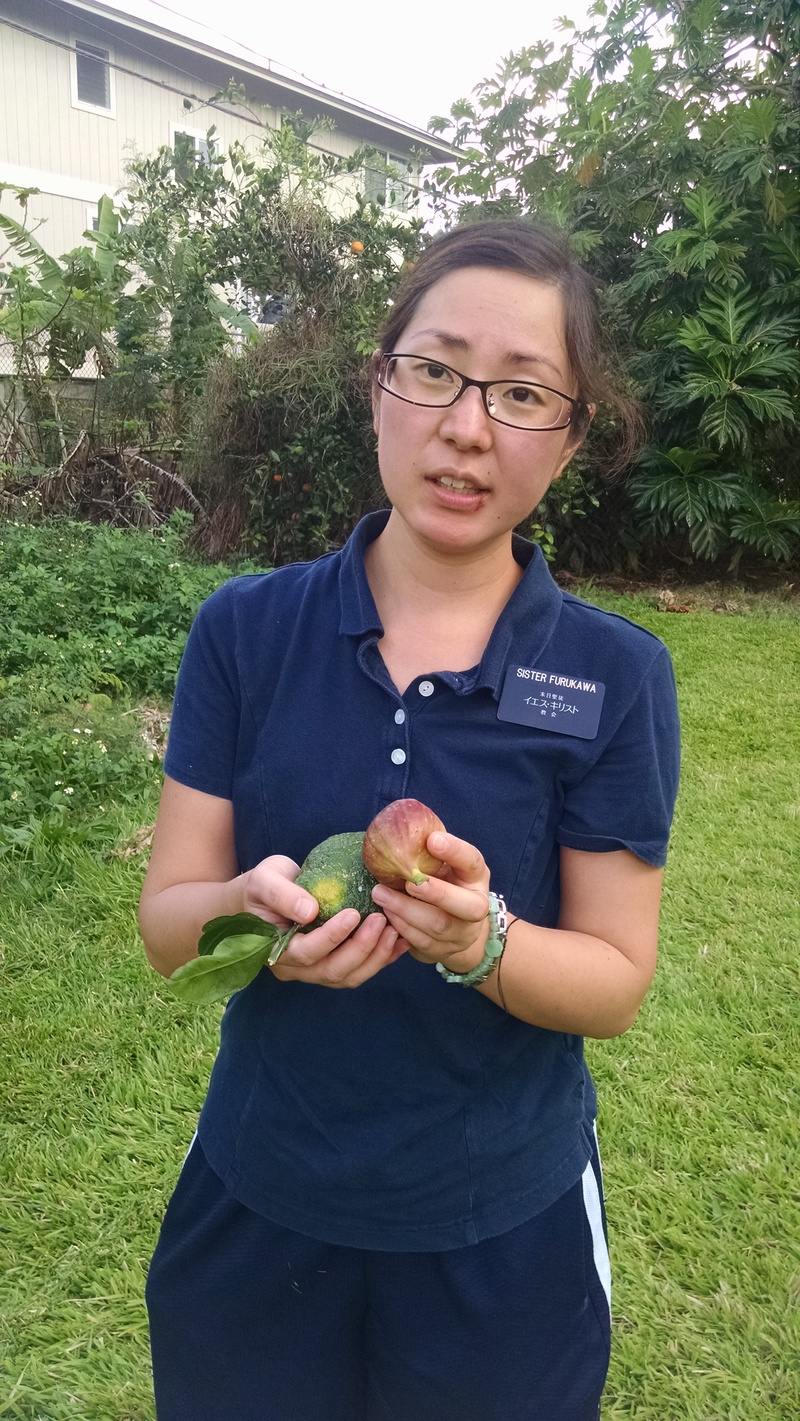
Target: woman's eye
433,372
522,394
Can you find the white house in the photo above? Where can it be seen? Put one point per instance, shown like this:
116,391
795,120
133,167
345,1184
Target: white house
85,86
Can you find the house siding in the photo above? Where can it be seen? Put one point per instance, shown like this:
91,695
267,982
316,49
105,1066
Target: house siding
74,156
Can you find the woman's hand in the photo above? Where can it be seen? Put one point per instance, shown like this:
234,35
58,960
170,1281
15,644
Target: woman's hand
344,952
446,919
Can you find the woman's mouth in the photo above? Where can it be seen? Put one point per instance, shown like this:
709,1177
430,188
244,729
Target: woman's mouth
457,492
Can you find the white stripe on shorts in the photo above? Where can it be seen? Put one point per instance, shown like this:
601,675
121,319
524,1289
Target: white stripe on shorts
591,1201
189,1151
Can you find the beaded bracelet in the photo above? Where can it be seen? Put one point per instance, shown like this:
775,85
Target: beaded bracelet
495,947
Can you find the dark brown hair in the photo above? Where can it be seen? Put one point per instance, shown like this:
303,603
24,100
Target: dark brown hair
539,250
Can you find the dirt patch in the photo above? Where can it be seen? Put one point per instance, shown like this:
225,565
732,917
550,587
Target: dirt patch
672,590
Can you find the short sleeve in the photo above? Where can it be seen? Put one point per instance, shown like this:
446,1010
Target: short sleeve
627,799
206,713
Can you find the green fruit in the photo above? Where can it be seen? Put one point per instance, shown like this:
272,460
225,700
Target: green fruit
334,873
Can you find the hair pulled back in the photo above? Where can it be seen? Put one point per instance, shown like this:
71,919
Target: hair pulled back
536,249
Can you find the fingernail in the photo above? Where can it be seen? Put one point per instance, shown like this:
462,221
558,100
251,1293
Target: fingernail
379,895
438,842
305,909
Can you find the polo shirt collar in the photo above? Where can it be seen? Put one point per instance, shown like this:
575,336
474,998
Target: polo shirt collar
522,630
359,614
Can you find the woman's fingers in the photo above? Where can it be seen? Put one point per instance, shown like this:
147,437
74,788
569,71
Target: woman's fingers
341,953
308,949
433,905
272,893
445,915
466,862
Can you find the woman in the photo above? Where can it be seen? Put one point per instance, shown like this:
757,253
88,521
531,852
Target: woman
393,1208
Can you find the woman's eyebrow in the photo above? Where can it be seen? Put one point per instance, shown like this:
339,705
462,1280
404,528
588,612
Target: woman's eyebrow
512,357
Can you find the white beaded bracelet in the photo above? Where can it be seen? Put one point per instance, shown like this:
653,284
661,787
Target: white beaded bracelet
495,947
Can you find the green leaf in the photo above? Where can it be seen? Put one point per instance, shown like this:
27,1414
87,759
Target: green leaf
642,60
232,925
51,275
729,314
768,525
233,964
769,404
234,318
725,423
104,237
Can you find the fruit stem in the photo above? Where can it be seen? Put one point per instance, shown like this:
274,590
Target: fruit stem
281,944
417,877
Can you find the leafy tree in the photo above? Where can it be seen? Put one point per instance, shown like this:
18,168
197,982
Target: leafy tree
172,294
666,138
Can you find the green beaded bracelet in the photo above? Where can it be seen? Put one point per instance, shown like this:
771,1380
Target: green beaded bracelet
495,947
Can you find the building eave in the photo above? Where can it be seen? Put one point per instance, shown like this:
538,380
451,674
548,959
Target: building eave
291,91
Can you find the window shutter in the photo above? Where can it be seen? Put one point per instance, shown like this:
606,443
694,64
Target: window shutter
92,66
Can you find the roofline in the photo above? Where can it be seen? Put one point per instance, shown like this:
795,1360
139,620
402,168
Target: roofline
301,88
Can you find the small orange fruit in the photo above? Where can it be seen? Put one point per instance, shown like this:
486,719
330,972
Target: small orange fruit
277,478
356,248
306,488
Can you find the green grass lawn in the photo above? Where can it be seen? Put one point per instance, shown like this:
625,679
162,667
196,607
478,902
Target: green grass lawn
104,1074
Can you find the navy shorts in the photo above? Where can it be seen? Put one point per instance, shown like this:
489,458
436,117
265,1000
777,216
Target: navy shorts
250,1321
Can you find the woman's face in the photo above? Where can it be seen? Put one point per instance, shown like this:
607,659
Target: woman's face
457,478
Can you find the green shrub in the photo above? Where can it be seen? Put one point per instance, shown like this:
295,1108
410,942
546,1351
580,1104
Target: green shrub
94,622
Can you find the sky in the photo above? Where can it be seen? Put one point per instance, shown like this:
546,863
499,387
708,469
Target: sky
383,54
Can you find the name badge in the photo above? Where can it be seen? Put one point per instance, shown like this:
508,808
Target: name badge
569,705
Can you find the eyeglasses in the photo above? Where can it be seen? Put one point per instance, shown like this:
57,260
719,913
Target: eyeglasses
518,403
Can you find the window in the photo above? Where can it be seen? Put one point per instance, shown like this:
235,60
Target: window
190,149
375,184
92,73
401,193
388,182
92,78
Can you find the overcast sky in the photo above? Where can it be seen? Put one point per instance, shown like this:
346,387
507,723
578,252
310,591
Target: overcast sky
410,61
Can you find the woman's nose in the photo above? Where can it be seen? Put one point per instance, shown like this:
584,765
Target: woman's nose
466,422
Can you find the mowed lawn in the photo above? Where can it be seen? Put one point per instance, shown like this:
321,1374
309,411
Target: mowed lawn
104,1074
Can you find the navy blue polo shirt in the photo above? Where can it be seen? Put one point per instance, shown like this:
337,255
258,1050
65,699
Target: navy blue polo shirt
409,1113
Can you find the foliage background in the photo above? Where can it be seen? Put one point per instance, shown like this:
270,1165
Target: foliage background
665,138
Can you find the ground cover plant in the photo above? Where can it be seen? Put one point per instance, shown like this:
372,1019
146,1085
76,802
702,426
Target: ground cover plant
94,622
104,1070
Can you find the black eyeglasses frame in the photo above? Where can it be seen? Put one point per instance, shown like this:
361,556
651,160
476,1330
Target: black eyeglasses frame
576,407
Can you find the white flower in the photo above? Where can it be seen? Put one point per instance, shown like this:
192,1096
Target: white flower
69,790
58,782
76,730
15,794
103,750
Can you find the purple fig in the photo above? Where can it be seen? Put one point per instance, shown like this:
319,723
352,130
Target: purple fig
396,844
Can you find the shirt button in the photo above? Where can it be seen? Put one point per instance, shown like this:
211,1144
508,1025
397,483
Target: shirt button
426,688
399,717
398,757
